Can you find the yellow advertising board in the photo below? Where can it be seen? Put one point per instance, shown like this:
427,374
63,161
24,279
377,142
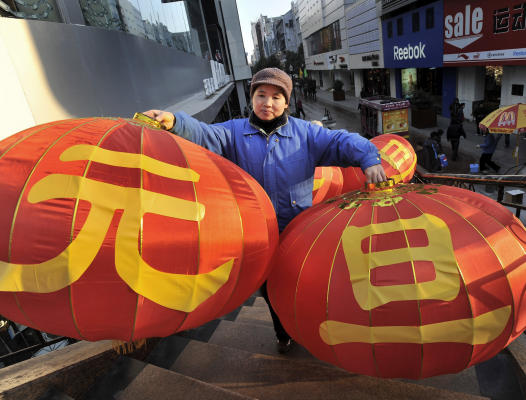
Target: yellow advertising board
395,121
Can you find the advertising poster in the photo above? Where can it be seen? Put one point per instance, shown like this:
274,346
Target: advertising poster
395,121
408,82
482,32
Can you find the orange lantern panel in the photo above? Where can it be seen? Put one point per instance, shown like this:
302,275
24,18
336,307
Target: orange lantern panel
328,182
115,230
406,281
398,160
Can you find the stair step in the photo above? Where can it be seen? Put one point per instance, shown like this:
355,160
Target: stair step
517,349
464,381
160,384
55,394
255,339
498,379
167,351
255,315
123,371
259,302
268,377
72,370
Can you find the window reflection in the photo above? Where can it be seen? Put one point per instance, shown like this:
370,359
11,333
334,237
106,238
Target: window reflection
178,24
45,10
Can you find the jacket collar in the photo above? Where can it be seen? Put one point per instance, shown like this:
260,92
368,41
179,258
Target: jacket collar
252,127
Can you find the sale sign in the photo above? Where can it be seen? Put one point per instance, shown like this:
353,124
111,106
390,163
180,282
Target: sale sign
482,32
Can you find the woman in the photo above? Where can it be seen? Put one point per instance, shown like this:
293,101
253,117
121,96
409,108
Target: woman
279,151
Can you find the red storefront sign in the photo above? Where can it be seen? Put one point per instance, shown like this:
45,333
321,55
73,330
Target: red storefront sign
484,32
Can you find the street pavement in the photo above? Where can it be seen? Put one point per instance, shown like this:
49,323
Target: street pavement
346,115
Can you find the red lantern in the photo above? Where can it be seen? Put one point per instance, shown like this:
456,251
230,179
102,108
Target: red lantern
398,159
407,281
328,182
114,230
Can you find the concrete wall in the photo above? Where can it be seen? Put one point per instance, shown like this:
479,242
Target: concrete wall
512,75
52,71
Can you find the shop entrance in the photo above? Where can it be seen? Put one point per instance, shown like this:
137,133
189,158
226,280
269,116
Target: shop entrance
424,86
493,85
376,82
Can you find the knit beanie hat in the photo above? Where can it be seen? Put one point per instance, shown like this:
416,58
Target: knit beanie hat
272,76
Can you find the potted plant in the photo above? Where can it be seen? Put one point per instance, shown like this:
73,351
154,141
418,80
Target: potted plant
423,114
337,90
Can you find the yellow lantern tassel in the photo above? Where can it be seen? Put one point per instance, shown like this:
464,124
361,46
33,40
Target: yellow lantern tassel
122,347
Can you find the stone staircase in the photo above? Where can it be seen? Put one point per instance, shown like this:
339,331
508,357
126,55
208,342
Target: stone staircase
235,357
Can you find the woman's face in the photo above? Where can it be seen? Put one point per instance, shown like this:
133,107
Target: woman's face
268,102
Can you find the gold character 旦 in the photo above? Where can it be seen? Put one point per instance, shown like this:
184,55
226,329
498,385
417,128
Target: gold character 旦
446,285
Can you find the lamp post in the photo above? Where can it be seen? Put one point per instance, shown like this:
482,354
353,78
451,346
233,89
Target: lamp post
291,70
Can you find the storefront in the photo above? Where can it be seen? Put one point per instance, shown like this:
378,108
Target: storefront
365,55
486,41
413,46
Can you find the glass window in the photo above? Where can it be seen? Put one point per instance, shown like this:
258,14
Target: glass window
176,24
44,10
326,39
416,22
517,90
400,26
430,18
390,29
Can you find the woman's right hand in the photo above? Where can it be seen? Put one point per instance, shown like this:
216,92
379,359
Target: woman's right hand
167,119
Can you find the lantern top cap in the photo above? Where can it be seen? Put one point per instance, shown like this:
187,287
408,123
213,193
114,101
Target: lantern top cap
380,185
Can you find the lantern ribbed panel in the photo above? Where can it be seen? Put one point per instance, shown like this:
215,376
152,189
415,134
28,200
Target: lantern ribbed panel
185,235
410,282
328,182
398,160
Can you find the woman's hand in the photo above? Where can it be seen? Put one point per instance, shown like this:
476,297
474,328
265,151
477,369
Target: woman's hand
375,174
167,119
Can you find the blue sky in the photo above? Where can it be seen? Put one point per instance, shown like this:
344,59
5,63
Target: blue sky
250,10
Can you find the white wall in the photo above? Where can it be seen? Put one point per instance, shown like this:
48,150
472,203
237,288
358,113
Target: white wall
512,75
470,87
13,103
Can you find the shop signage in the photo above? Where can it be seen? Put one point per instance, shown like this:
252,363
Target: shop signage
409,52
218,80
419,49
484,32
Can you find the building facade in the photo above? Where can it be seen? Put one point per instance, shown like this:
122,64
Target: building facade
92,63
324,38
434,49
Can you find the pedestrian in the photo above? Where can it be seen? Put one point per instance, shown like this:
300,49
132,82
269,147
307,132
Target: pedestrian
279,151
453,108
488,148
454,132
479,113
299,108
432,151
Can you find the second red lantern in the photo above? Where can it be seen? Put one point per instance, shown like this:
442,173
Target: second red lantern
398,160
407,281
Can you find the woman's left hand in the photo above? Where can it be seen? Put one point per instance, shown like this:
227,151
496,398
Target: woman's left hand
375,174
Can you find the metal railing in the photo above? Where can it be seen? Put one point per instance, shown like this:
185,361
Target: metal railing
468,181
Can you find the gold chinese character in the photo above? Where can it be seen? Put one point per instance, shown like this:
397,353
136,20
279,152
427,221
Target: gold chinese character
175,291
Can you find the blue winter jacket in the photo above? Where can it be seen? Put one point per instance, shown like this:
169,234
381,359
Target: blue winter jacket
490,143
284,162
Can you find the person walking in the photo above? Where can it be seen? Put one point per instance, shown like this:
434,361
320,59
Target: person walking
488,148
456,129
279,151
299,108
